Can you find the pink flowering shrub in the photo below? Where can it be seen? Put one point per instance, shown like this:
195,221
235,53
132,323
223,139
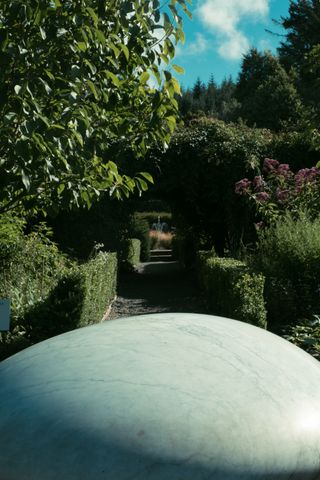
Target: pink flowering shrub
279,190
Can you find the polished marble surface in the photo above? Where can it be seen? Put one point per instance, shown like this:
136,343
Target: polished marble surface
161,397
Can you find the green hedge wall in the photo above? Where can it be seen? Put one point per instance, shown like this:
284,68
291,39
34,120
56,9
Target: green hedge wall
132,257
139,228
232,290
80,298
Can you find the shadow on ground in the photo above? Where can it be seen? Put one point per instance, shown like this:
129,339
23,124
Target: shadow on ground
157,287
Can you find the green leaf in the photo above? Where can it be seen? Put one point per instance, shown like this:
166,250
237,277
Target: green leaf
114,79
78,137
178,69
144,77
147,176
114,49
125,50
43,33
91,66
49,74
93,89
82,46
93,15
101,37
25,180
17,89
176,86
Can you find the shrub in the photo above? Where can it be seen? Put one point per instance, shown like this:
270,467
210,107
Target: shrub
131,254
232,290
288,255
49,294
279,190
30,266
197,173
138,227
80,298
306,335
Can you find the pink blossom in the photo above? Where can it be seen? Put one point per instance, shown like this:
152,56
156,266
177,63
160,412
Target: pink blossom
282,194
306,175
262,197
258,183
270,165
284,170
243,187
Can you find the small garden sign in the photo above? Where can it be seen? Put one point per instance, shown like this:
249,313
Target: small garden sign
4,314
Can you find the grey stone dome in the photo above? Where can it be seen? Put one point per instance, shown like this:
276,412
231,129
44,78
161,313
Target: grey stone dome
161,397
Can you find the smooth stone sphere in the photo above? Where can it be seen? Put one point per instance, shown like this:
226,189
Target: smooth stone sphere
161,397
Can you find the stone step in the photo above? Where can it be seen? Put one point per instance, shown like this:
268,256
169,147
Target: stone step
161,255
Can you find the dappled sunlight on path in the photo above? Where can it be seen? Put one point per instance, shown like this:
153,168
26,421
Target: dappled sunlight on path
156,287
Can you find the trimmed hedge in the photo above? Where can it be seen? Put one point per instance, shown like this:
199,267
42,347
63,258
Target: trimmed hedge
132,257
100,278
139,228
80,298
232,290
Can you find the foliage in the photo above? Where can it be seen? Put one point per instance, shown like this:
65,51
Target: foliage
75,93
298,50
197,175
131,256
232,289
153,217
138,227
306,335
161,239
267,95
280,191
80,298
100,277
30,266
106,223
288,255
212,100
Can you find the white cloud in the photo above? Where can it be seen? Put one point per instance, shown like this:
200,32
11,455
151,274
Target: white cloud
233,46
265,44
199,45
222,17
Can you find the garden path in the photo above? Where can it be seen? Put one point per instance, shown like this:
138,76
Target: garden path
156,287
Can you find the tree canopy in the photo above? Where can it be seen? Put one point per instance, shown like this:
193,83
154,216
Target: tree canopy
267,96
302,38
80,81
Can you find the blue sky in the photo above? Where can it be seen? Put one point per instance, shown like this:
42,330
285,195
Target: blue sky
221,31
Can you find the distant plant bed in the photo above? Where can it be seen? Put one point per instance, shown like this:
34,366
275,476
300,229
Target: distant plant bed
232,290
306,335
160,240
155,216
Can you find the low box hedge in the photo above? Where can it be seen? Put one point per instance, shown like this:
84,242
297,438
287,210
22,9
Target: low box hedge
232,289
130,256
79,298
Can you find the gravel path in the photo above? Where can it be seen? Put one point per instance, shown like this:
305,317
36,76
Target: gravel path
156,287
